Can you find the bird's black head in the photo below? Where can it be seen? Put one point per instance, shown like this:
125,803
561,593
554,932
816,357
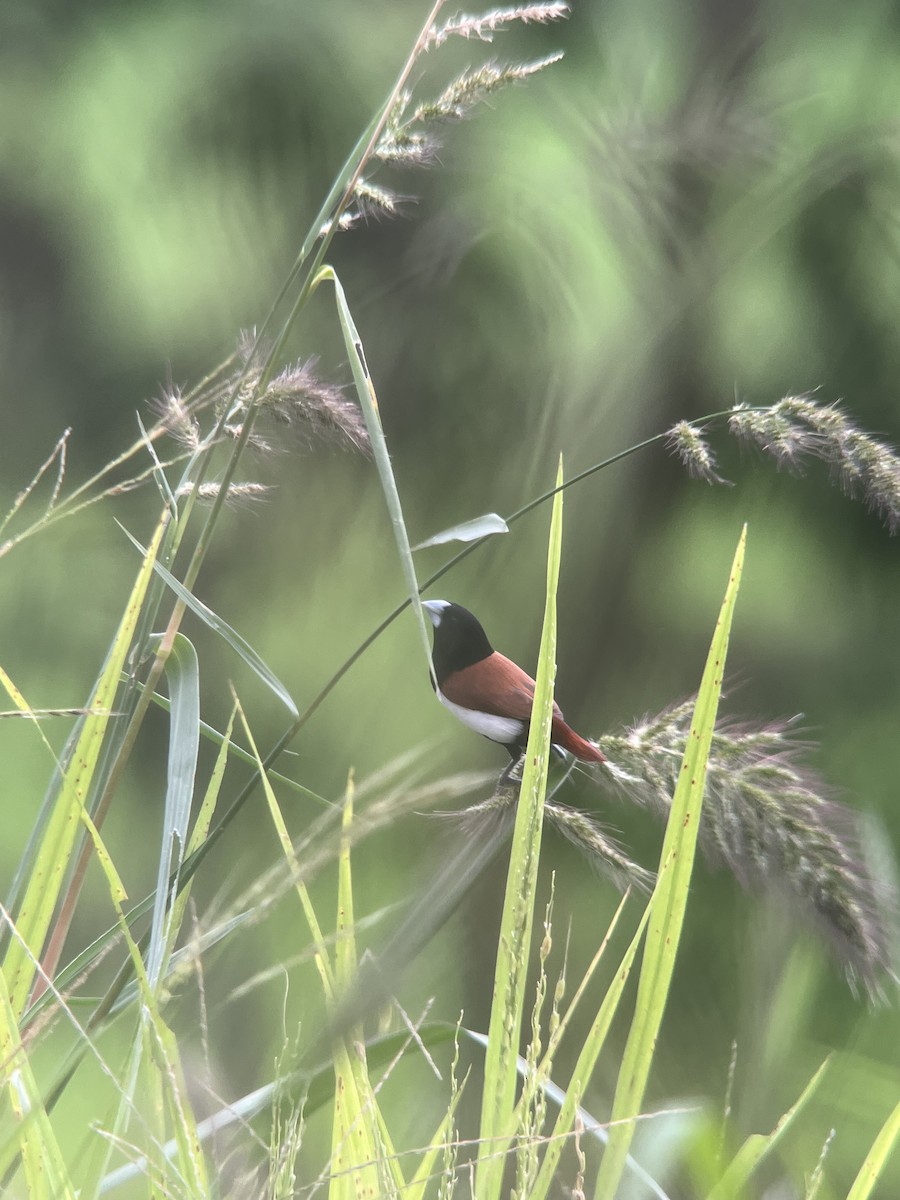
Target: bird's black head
459,640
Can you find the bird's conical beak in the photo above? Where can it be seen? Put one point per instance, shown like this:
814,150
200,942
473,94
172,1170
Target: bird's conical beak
433,608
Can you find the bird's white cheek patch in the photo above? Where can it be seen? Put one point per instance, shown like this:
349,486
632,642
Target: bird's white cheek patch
498,729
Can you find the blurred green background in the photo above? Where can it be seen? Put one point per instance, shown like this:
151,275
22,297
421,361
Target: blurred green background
699,202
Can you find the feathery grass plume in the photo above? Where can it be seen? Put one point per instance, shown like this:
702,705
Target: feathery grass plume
688,442
584,831
767,818
177,419
296,399
498,19
403,144
603,852
374,200
473,87
238,492
798,427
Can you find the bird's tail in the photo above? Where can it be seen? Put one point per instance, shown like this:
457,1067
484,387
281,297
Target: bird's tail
584,750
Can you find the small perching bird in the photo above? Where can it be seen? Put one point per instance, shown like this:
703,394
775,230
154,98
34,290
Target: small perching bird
487,691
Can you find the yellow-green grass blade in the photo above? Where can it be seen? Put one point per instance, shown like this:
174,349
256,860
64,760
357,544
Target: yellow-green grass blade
758,1146
317,1085
345,969
354,1149
23,707
214,735
59,838
514,941
416,1189
369,404
345,946
669,899
34,1142
876,1160
155,1053
584,1066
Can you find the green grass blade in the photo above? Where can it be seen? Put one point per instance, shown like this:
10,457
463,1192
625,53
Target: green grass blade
345,946
587,1060
317,1085
369,405
669,899
239,645
737,1174
876,1160
34,1142
518,910
58,842
354,1157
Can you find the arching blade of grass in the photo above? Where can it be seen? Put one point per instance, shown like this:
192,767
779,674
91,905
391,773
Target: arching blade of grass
239,644
369,405
53,855
183,674
214,735
669,898
514,941
876,1160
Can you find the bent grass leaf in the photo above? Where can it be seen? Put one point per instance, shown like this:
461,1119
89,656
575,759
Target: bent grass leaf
468,531
369,404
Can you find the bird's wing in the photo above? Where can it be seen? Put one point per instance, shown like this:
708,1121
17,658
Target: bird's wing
496,686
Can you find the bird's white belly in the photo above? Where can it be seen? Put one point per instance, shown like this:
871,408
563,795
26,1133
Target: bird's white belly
498,729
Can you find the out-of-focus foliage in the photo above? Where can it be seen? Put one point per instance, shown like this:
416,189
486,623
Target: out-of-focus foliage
696,203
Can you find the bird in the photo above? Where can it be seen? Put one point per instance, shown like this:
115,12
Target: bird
487,691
